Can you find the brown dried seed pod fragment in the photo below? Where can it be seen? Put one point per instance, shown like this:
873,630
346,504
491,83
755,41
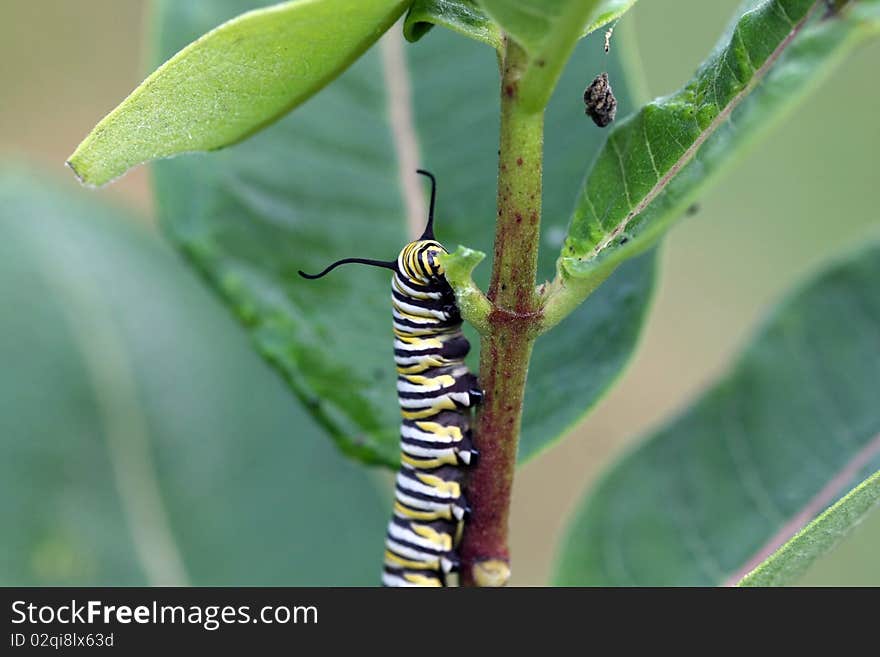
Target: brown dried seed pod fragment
601,105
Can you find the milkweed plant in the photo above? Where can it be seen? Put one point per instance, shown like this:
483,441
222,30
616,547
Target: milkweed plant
529,116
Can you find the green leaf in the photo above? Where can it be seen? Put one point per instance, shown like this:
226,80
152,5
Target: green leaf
326,183
468,18
656,162
791,561
462,16
233,81
472,303
143,441
535,23
793,427
548,31
606,12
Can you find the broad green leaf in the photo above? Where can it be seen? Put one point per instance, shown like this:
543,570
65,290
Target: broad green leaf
325,183
233,81
790,430
655,163
792,560
143,441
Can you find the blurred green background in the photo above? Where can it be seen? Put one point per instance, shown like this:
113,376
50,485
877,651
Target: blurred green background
797,199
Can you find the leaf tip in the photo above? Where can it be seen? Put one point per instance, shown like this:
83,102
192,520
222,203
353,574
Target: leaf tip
70,164
90,170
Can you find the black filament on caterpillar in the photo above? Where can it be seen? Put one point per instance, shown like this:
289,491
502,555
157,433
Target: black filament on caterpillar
436,391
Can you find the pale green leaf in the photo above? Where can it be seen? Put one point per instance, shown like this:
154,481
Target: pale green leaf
233,81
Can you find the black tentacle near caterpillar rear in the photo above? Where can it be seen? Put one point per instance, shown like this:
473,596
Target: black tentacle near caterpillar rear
436,392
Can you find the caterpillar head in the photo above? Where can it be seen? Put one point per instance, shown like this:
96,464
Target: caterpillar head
420,261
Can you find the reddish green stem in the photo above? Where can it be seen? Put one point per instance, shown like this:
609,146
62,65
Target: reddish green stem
513,322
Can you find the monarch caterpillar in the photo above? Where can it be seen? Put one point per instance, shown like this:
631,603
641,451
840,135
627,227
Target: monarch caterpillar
435,390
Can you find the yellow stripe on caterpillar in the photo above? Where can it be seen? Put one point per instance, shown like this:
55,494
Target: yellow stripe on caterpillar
428,363
442,381
440,485
394,560
421,580
441,540
445,404
440,430
421,341
428,464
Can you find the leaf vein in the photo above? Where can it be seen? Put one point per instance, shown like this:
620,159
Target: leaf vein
650,150
617,152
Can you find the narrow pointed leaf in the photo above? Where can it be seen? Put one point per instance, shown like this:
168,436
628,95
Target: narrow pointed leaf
791,561
790,430
233,81
655,162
